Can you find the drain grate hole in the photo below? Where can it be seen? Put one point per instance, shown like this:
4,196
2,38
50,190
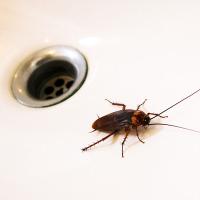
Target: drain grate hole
69,84
59,82
59,92
49,97
48,90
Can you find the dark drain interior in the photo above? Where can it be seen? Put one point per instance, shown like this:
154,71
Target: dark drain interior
51,79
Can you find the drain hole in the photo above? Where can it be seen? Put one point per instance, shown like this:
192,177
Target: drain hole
50,78
48,90
59,92
48,98
59,82
69,84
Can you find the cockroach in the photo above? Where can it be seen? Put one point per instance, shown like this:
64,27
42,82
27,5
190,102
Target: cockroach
127,119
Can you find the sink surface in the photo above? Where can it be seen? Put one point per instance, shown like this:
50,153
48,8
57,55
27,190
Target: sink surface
135,50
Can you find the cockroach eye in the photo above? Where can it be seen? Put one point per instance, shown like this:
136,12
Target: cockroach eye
147,120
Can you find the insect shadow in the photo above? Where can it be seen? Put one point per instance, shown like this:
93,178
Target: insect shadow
128,119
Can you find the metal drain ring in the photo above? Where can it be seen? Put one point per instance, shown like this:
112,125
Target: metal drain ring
36,81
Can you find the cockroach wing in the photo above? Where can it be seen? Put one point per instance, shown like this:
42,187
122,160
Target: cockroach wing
114,121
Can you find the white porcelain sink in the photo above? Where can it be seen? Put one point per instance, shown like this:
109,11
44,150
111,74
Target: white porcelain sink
135,50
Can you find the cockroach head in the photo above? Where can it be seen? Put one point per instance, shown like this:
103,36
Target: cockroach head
146,120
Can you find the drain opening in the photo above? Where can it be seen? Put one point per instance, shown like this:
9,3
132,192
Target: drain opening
69,84
49,80
59,82
49,76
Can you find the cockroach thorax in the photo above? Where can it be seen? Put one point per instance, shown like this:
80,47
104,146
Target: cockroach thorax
140,118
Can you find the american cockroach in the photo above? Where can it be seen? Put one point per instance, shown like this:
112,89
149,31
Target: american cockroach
128,119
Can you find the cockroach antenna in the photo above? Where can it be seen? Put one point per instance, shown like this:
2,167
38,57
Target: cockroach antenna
175,104
175,126
172,125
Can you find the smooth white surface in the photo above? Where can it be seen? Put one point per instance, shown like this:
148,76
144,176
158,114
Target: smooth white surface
135,50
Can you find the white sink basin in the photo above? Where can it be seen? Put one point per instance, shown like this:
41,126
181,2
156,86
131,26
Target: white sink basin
135,50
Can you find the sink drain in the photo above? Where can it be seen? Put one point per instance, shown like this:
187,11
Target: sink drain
49,76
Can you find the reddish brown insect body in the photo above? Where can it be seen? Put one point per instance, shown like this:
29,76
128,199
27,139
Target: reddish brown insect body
128,119
122,119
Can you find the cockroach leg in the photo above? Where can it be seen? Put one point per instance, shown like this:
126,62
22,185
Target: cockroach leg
126,136
86,148
92,131
139,136
141,104
157,115
117,104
